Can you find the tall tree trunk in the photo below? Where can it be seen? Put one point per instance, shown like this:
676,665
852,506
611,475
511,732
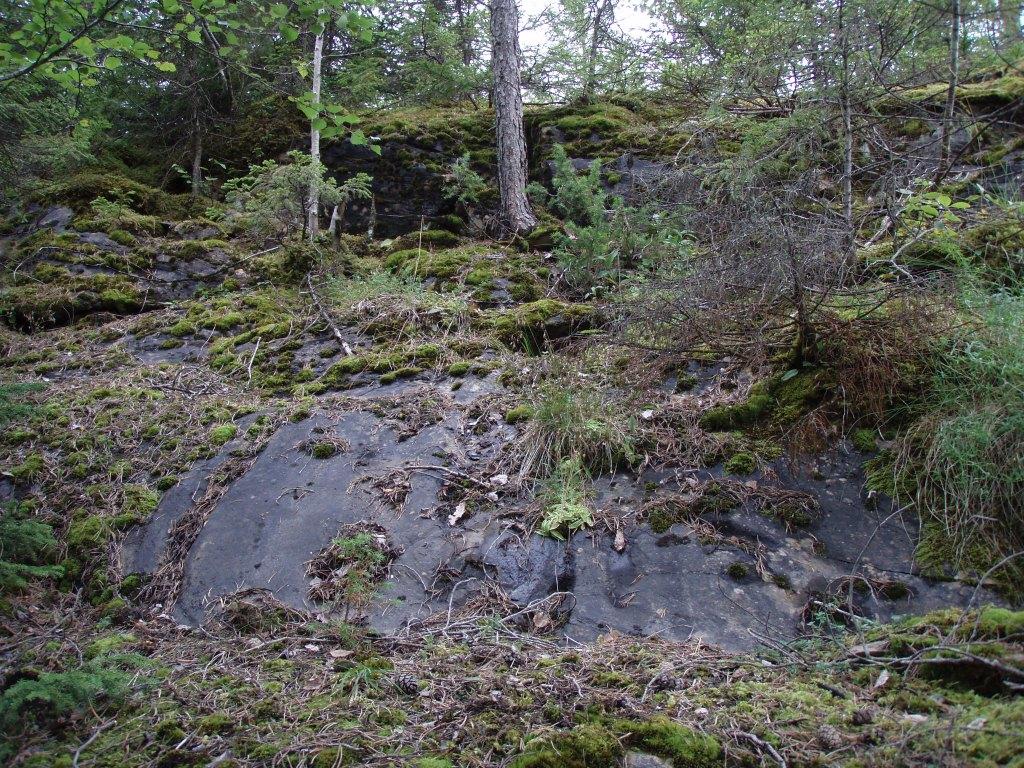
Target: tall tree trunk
1009,20
197,160
464,42
590,85
508,107
846,107
313,225
948,112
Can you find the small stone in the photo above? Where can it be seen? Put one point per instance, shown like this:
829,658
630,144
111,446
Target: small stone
643,760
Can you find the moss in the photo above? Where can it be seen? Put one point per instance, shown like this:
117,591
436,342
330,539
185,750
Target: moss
405,372
936,251
601,744
432,762
529,325
139,501
864,440
737,570
459,369
61,298
122,237
407,361
169,731
665,738
794,515
990,92
585,746
166,482
427,239
518,414
333,757
778,401
29,469
742,463
222,433
723,418
218,722
323,450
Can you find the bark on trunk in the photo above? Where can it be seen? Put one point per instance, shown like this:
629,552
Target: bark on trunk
313,224
508,106
603,7
464,42
954,80
1009,18
197,161
846,106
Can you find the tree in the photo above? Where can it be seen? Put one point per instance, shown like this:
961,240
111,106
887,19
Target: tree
949,109
314,137
508,106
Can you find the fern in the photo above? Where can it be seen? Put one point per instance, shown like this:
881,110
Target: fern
55,695
27,549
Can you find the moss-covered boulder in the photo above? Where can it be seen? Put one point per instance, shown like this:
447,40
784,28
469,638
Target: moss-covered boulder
778,401
527,326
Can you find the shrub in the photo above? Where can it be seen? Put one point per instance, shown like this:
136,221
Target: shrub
463,185
964,459
274,198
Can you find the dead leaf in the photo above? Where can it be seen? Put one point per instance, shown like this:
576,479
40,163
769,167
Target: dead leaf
458,514
883,678
620,540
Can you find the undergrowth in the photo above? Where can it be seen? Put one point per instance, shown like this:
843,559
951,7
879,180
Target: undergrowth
573,417
964,459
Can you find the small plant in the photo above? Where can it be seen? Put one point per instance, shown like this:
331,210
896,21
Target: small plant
118,215
464,185
12,401
27,550
274,198
964,459
565,499
348,570
571,417
54,695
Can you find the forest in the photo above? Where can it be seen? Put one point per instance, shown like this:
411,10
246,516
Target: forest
464,384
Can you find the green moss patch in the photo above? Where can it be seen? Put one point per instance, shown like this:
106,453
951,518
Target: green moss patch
528,326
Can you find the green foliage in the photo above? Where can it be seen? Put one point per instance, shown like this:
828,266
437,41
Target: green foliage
118,216
274,199
575,419
565,500
350,568
965,457
579,198
604,238
28,549
464,185
51,696
12,401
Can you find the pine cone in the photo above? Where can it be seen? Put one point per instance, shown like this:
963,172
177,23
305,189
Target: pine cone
406,683
830,738
665,681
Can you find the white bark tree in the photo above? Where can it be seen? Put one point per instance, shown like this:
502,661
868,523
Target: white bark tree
313,221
